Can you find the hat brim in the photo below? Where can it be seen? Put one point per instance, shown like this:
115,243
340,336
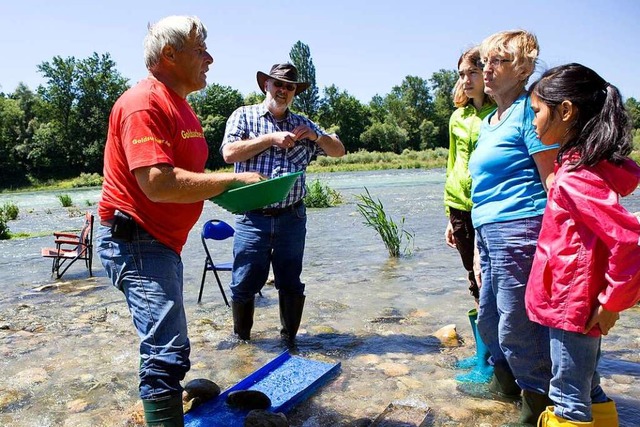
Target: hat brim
262,78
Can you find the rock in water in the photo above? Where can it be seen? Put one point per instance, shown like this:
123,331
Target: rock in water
448,336
199,391
262,418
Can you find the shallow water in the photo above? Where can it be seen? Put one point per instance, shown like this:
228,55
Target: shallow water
69,351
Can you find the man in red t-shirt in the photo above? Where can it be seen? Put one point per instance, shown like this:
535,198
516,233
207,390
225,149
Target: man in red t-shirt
153,193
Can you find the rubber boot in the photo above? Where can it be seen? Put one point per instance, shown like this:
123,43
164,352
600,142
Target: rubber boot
482,371
503,383
533,405
164,411
243,318
605,414
291,307
470,362
502,387
549,419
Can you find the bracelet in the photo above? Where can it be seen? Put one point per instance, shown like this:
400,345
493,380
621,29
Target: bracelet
318,136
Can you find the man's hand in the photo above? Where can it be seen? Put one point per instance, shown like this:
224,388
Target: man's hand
305,132
448,236
602,317
283,139
249,177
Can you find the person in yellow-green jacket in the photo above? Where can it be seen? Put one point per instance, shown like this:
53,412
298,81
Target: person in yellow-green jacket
464,127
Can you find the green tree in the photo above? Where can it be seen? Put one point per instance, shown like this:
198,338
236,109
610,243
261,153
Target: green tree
214,105
215,100
77,97
409,104
11,118
384,137
633,107
429,135
378,109
253,98
17,150
307,101
98,85
442,82
344,115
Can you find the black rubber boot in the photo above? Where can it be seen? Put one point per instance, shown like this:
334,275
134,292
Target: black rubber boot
503,384
164,411
291,307
502,387
533,404
243,318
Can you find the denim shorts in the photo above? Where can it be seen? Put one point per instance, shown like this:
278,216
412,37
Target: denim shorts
506,255
262,242
150,275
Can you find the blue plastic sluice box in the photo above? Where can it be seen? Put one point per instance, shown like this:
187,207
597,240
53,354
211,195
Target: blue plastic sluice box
287,380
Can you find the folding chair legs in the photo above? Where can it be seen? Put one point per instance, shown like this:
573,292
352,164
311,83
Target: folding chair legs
204,275
224,296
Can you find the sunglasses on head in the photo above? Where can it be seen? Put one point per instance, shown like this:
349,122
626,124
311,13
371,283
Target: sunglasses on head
288,86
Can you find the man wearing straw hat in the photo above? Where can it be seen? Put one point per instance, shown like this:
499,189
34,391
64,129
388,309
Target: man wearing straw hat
268,138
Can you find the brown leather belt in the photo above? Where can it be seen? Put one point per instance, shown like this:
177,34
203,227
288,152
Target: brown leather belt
276,211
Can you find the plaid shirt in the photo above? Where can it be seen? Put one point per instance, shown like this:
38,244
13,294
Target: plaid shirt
251,121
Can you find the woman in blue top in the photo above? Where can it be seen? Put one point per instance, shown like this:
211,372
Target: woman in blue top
509,169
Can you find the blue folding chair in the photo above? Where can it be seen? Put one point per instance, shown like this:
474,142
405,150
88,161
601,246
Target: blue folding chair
215,229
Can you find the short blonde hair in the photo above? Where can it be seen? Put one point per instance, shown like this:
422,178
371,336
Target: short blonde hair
522,46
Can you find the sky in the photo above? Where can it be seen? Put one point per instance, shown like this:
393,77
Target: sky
364,47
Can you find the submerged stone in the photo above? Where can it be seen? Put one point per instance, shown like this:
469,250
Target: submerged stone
262,418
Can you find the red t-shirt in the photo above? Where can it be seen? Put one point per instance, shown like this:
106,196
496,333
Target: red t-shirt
151,125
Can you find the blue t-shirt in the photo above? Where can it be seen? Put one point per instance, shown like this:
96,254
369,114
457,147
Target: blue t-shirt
505,181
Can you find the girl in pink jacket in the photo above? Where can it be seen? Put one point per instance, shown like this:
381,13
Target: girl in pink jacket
587,263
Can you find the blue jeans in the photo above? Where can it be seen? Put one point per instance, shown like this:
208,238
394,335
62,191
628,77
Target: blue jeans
262,241
575,383
150,276
506,255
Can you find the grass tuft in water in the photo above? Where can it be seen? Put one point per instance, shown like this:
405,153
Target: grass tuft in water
65,200
391,233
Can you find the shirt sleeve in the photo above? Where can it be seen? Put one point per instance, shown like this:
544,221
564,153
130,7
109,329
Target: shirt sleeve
592,202
316,150
236,128
146,138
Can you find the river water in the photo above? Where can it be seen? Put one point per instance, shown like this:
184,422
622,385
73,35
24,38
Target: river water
69,352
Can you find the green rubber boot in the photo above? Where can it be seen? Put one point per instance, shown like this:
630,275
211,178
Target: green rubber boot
164,412
533,405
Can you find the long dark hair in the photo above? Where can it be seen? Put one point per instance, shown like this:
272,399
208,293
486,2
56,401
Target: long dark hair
460,99
602,130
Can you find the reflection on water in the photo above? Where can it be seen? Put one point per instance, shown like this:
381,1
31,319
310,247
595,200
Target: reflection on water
69,352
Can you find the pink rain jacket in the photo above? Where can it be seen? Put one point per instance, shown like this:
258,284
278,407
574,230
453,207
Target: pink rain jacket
588,251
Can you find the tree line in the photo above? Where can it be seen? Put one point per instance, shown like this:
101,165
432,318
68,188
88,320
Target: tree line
59,130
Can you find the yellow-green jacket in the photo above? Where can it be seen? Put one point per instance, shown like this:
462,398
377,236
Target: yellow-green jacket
464,128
